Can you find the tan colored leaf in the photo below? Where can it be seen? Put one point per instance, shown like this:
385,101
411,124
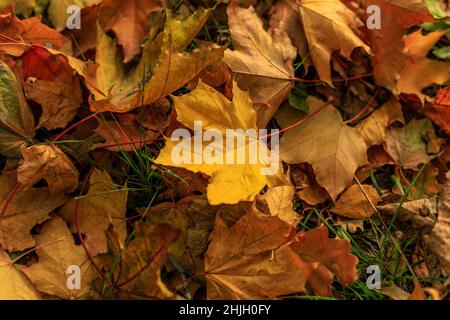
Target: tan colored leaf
143,260
373,129
104,204
262,61
128,20
56,254
60,100
251,261
48,162
14,285
439,239
354,203
27,208
279,199
333,149
329,26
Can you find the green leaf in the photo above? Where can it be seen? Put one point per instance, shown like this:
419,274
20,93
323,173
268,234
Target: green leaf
16,119
442,53
436,10
298,98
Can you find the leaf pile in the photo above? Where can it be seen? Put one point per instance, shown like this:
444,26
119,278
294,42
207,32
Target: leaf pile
89,181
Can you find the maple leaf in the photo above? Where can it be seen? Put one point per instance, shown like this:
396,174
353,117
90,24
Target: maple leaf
406,145
27,208
373,128
356,203
262,61
162,59
30,30
334,153
48,162
234,182
128,20
329,26
142,262
279,201
251,260
104,204
57,251
16,119
386,42
325,257
14,285
419,71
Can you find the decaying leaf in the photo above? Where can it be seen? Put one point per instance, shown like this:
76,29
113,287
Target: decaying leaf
14,285
27,208
334,153
48,162
279,200
57,252
262,61
104,204
357,202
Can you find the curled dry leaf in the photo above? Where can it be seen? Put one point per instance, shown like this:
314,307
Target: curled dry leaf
334,154
14,285
27,208
329,26
356,203
57,251
262,61
104,204
48,162
279,200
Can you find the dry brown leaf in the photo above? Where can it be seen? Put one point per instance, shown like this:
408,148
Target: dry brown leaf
48,162
354,203
334,153
279,200
373,129
325,257
104,204
57,252
27,208
262,61
251,261
14,285
128,20
329,26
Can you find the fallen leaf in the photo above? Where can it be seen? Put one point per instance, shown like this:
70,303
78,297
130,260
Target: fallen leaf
329,26
27,208
240,182
48,162
334,154
58,13
251,261
373,129
16,119
104,204
279,199
356,204
262,61
128,20
57,252
406,145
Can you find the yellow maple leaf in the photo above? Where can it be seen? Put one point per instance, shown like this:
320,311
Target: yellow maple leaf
231,182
